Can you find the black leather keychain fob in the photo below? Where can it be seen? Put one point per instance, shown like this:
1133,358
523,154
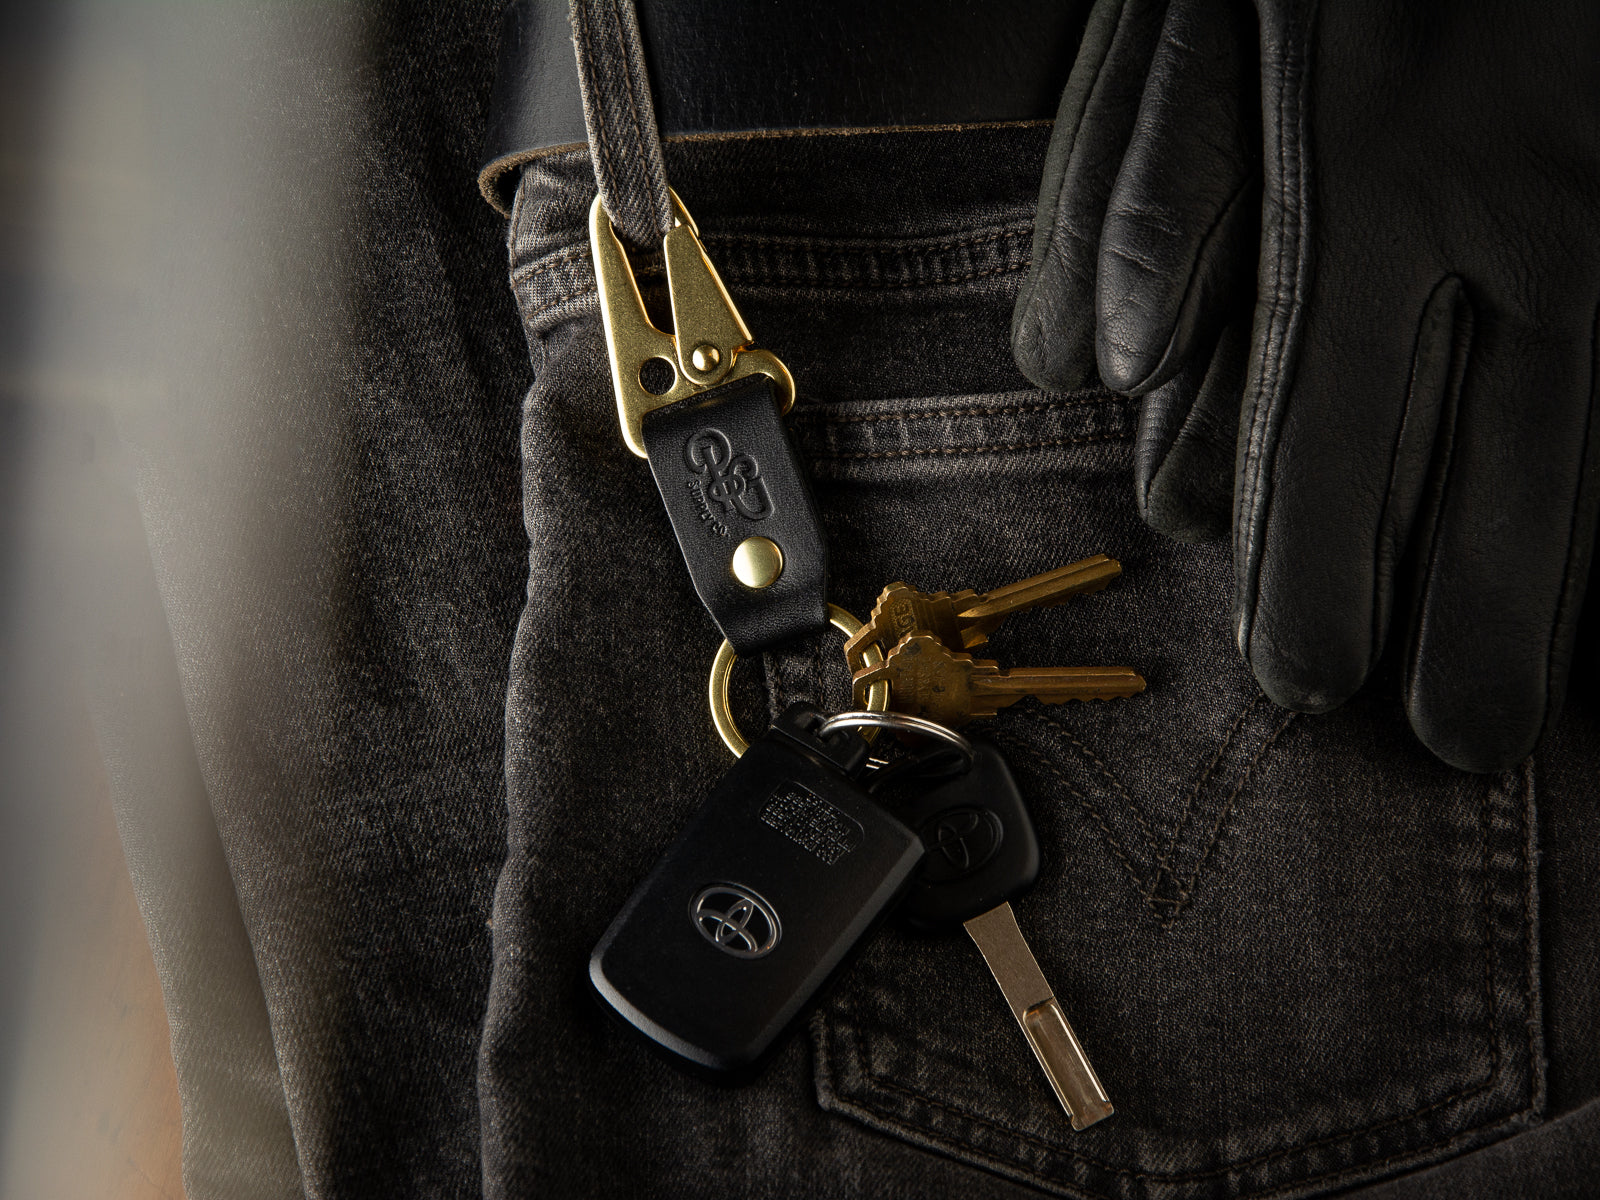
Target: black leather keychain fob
742,511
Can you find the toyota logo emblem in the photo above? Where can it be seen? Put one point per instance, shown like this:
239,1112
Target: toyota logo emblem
735,920
961,842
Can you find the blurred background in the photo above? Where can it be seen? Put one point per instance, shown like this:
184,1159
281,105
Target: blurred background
165,208
89,1094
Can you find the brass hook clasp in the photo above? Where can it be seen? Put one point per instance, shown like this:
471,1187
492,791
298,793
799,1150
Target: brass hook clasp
712,342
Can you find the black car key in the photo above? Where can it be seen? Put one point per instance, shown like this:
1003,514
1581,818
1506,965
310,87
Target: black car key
787,865
982,852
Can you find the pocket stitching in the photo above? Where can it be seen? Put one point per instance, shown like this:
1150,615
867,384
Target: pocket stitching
925,451
1149,885
1014,743
1081,400
1186,889
856,1030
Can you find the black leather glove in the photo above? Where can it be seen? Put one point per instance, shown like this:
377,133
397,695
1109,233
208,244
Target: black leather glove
1088,217
1417,433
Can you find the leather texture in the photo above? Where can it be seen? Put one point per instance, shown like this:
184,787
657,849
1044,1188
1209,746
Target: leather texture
773,65
727,470
1417,455
1102,232
536,105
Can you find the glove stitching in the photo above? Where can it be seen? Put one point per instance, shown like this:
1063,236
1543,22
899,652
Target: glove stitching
1266,417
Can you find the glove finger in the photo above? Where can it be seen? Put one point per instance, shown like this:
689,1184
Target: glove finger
1186,444
1332,472
1052,327
1179,247
1506,549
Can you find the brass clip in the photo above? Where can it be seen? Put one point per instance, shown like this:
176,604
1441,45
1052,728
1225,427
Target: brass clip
712,345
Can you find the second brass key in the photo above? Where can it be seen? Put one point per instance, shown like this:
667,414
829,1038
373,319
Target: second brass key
928,679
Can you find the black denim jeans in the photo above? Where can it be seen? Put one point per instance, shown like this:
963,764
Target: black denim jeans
1302,953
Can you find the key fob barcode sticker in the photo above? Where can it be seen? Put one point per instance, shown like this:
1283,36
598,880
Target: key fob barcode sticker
811,822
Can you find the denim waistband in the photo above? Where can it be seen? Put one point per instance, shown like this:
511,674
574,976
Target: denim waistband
856,214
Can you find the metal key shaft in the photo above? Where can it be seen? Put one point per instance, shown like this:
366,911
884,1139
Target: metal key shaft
978,615
983,852
928,679
1033,1002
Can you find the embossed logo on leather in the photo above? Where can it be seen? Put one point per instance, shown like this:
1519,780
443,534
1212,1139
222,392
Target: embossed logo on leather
727,478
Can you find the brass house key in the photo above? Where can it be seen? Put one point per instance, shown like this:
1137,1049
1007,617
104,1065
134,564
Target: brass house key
928,679
964,620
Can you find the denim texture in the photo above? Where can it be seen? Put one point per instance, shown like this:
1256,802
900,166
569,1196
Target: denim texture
1302,954
299,298
619,113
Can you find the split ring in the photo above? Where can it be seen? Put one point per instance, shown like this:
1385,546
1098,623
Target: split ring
722,675
903,723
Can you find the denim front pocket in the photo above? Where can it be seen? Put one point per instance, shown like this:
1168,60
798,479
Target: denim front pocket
1300,952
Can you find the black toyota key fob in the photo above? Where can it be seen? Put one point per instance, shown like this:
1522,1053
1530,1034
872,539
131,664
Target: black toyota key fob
787,865
982,849
983,853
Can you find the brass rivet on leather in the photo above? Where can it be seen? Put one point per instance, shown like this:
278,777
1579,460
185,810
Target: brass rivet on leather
705,356
757,562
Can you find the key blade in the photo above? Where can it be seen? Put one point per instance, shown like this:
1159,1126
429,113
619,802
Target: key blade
1052,685
1066,1065
1049,587
981,615
1037,1011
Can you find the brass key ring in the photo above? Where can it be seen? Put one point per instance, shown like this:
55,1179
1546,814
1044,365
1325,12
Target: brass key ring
722,676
